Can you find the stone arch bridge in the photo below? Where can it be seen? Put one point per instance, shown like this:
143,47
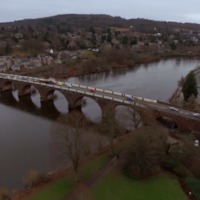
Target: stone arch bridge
74,94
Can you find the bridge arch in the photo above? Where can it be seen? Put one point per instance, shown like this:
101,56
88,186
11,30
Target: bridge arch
167,122
74,100
61,102
6,85
91,109
24,90
46,94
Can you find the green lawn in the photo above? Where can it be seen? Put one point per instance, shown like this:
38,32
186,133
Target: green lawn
93,166
115,185
59,189
119,187
56,190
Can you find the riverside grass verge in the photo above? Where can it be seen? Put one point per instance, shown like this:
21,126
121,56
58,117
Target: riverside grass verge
62,187
56,190
117,186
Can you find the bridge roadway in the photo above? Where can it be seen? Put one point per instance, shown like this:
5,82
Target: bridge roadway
118,97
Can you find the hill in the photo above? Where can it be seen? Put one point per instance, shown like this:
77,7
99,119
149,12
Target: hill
80,21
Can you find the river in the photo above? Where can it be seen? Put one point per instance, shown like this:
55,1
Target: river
26,125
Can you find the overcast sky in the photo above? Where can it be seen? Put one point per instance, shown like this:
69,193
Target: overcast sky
166,10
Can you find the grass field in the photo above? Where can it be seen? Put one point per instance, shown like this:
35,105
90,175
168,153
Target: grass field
56,190
63,187
119,187
115,185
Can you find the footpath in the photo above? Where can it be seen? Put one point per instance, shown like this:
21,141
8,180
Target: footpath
82,189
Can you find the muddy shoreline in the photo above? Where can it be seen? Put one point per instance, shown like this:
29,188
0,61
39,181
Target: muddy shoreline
79,69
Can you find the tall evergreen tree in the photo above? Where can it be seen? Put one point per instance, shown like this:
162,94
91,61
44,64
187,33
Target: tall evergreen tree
190,86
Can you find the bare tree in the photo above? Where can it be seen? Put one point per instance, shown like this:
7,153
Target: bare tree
190,103
110,127
186,152
68,140
147,115
135,116
128,117
146,152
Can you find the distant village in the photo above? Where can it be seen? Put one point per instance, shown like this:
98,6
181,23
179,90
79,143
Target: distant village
24,47
17,64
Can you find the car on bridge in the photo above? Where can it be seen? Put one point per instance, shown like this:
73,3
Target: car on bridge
46,81
130,98
60,83
173,108
22,78
92,90
68,84
196,114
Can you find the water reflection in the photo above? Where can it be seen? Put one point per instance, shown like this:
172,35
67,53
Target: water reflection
8,98
51,109
61,102
15,94
123,115
91,110
36,97
25,103
155,80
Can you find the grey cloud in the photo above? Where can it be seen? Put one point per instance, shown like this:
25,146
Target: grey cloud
168,10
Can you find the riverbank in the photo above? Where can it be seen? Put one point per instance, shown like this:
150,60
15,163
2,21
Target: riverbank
88,168
96,65
102,63
177,98
89,66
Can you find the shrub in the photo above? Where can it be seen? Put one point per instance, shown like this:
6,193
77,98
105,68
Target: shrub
32,178
45,178
180,171
128,173
169,165
146,152
4,194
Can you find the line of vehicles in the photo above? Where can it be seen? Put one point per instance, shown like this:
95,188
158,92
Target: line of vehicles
47,81
177,110
52,81
40,80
